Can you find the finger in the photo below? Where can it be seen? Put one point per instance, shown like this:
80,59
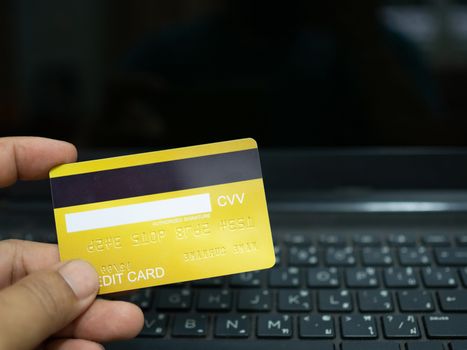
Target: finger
73,344
30,158
20,258
46,301
105,321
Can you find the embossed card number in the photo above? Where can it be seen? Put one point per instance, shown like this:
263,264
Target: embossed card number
165,217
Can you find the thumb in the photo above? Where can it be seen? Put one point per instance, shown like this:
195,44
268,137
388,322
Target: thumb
44,302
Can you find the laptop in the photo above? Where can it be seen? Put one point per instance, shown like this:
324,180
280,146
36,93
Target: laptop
373,259
359,113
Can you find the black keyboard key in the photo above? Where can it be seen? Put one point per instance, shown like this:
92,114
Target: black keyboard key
214,300
209,282
400,277
294,300
316,326
320,277
297,239
365,240
274,326
377,256
278,253
436,240
461,240
246,279
254,300
375,301
453,300
195,325
402,240
415,301
463,273
303,256
284,277
232,326
425,345
340,256
361,277
446,326
142,298
369,345
358,326
400,326
417,256
459,345
451,256
335,301
173,299
332,240
439,277
155,325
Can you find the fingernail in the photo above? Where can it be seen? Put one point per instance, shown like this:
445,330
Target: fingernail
81,277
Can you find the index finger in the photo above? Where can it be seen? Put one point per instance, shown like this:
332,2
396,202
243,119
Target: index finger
31,158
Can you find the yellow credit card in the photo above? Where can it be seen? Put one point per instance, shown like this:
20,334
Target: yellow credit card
164,217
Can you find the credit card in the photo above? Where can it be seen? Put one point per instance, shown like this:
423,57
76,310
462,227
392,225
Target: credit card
165,217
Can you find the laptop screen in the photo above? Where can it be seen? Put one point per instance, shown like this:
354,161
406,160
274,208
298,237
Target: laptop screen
290,74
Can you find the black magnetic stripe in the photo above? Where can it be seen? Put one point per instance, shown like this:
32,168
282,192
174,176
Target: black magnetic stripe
155,178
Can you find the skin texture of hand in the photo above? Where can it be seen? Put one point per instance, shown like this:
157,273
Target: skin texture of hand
45,303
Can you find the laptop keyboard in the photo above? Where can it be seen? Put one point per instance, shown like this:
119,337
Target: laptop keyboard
338,291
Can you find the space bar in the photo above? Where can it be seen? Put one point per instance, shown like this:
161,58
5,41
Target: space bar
199,344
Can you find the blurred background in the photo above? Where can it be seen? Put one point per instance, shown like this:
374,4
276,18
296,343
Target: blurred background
293,73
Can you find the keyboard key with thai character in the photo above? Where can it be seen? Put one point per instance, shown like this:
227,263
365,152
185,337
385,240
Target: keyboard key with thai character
365,240
415,301
451,256
274,326
284,277
316,326
297,238
400,326
446,326
321,277
332,240
294,300
173,299
278,255
375,301
192,325
377,256
417,256
155,325
439,277
453,300
250,279
232,326
436,240
254,300
214,300
361,277
358,327
142,298
402,240
400,277
340,256
303,256
335,301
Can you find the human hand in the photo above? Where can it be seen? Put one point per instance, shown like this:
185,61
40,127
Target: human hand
45,304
